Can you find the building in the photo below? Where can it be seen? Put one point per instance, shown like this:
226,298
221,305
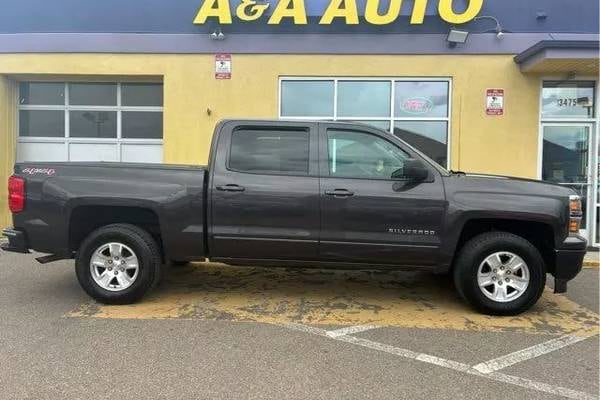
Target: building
146,80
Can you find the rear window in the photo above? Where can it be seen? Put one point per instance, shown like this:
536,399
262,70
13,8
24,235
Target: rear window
270,151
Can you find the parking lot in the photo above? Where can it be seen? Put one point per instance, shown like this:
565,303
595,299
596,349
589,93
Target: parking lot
211,331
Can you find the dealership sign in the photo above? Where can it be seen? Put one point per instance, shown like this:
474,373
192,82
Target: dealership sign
346,11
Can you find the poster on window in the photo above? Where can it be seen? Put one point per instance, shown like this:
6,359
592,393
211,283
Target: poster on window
494,102
223,66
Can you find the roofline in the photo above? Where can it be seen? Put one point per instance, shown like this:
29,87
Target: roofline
555,44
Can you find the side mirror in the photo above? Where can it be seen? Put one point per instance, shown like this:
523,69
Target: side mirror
413,170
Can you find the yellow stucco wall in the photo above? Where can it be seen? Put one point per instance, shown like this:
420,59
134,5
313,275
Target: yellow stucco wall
7,142
502,145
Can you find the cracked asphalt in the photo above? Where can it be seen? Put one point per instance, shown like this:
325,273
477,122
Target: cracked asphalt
214,332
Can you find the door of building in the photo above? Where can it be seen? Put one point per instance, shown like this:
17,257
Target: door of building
568,160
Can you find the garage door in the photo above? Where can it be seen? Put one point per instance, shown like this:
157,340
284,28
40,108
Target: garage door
90,121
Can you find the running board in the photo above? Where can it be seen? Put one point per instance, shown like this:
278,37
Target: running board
49,258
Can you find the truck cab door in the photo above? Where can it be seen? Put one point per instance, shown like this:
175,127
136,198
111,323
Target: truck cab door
368,216
264,192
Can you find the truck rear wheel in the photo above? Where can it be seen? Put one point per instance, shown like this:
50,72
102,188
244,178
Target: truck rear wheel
500,273
118,264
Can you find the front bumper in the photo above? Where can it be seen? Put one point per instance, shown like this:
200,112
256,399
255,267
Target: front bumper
17,243
568,261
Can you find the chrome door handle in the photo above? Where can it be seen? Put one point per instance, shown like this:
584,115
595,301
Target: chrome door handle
339,193
231,188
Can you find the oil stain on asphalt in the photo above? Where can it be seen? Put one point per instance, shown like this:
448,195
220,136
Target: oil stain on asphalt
395,298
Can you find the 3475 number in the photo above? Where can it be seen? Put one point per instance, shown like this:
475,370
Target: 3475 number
568,102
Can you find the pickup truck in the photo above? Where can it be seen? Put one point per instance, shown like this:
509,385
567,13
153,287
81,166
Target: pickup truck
299,194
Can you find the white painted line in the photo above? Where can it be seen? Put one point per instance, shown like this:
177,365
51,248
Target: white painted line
449,364
350,330
527,354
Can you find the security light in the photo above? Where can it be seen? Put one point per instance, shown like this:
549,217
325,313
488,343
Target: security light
455,37
217,35
499,31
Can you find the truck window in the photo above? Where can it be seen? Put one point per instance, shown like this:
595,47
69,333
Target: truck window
362,155
270,151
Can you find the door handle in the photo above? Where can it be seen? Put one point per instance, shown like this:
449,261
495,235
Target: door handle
339,193
231,188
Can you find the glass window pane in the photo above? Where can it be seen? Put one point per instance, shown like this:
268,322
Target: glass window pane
568,100
364,99
42,93
93,124
279,152
42,123
142,125
565,157
307,99
93,94
384,125
142,94
430,137
421,99
362,155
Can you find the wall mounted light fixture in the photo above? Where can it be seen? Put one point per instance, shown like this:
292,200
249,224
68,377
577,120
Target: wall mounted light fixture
456,36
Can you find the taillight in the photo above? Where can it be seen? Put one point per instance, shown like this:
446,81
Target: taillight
576,213
16,194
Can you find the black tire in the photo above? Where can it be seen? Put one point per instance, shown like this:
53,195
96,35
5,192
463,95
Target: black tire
476,250
146,250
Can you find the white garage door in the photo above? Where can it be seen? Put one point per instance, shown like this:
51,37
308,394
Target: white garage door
90,121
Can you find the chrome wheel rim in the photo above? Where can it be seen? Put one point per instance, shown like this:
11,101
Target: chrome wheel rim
503,277
114,266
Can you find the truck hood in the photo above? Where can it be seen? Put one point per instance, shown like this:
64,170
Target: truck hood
506,184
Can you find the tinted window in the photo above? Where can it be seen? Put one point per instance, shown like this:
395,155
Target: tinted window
362,155
266,151
142,94
142,125
93,124
364,99
431,137
93,94
42,123
307,98
42,93
568,100
421,99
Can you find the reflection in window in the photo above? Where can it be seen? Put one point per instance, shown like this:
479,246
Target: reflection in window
568,100
307,99
41,93
431,137
265,151
421,99
565,157
93,124
41,123
361,155
363,99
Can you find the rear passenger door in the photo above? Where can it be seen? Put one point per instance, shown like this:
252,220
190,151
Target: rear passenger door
265,192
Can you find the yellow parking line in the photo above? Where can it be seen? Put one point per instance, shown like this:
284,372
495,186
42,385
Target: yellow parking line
402,299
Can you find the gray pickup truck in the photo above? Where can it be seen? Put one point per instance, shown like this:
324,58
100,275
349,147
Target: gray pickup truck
305,194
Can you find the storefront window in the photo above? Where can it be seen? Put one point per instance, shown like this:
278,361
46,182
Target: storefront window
417,111
568,100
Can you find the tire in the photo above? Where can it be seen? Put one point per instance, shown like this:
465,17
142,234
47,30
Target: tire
124,283
476,261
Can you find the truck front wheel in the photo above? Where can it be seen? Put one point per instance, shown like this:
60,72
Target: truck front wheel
118,264
500,273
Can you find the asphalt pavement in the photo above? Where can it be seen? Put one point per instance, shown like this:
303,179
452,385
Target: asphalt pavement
217,332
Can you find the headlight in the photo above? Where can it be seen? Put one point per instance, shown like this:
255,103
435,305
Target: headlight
576,213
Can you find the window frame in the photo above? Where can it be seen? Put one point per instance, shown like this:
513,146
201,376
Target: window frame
66,107
391,119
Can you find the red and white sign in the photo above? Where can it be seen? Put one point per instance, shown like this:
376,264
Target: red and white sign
223,66
494,102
